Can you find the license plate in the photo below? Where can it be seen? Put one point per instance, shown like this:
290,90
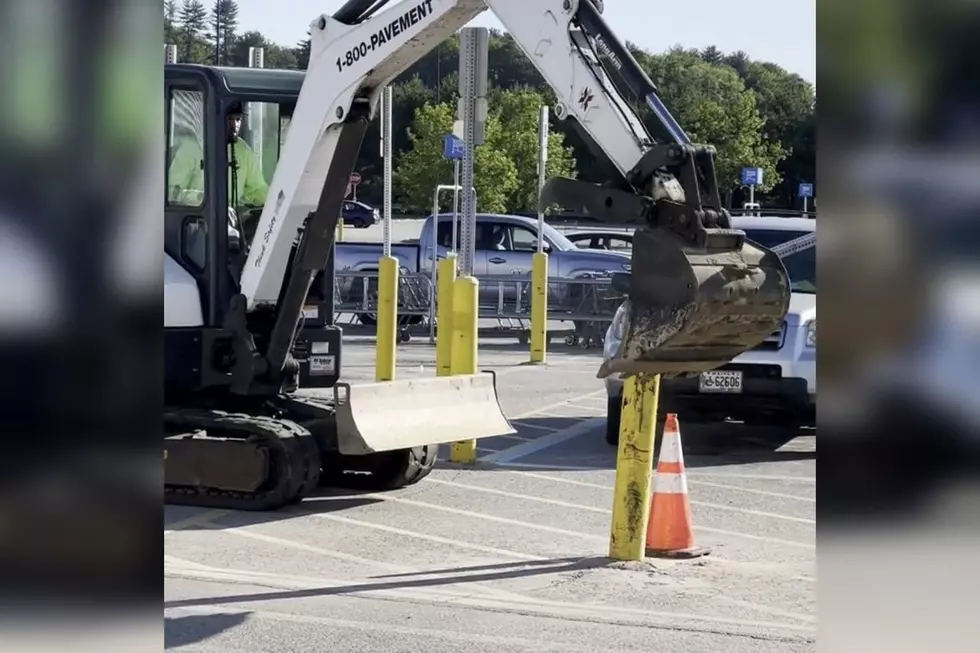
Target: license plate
720,381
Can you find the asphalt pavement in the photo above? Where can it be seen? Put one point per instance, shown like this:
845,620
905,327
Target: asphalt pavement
509,554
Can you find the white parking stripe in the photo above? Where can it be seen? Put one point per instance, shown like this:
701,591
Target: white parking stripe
544,442
723,486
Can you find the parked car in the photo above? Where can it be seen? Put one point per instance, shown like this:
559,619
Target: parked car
359,215
615,240
505,245
773,383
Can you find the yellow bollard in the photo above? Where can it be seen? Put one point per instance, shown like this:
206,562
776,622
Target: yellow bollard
464,347
445,280
387,339
539,307
340,230
634,468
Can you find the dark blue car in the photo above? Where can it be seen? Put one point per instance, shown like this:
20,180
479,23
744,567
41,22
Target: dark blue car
359,215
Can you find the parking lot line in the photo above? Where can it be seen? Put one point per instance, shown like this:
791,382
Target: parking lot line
547,466
544,442
429,538
485,517
539,410
378,564
752,477
723,486
693,502
517,495
579,506
519,438
591,612
200,519
524,425
561,531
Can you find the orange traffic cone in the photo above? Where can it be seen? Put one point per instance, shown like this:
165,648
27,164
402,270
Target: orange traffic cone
670,532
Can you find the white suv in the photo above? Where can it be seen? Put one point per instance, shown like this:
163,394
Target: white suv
776,382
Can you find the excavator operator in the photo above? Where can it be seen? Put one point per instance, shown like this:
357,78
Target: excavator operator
247,187
246,181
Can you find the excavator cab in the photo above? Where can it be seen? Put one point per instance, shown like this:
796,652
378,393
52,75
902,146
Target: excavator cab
256,414
210,222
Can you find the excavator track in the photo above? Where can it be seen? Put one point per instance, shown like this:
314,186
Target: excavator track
282,452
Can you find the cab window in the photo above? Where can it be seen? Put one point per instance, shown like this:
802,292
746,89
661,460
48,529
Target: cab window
185,169
264,129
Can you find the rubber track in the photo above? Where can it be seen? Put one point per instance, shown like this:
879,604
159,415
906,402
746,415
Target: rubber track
293,453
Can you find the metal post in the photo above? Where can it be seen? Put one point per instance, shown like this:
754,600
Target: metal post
256,59
539,262
433,255
387,332
804,203
634,467
452,246
170,56
473,51
386,124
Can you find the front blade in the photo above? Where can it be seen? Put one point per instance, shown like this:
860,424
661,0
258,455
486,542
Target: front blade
394,415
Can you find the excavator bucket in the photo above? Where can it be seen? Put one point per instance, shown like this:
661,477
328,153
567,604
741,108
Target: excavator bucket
392,415
699,293
694,309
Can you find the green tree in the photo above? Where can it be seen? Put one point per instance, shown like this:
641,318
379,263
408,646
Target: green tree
407,98
224,26
788,104
190,28
739,61
302,54
171,11
712,55
519,110
276,56
714,107
422,168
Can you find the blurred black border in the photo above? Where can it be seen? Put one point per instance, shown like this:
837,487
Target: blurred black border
81,483
898,122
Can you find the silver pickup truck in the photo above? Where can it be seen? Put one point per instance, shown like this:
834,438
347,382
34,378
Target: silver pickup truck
504,247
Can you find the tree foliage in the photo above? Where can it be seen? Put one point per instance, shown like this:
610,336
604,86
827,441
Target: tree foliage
714,106
423,167
224,27
754,113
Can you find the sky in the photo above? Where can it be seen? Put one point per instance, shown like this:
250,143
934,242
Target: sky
780,31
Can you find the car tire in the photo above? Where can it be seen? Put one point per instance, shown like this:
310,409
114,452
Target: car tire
614,413
358,223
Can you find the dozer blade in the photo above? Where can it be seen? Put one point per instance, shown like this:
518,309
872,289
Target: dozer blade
692,309
394,415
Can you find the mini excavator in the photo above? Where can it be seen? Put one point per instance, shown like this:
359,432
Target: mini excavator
239,432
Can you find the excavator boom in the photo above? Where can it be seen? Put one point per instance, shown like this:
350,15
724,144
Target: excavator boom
700,295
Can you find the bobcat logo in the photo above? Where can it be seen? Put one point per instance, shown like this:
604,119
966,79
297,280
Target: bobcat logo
585,98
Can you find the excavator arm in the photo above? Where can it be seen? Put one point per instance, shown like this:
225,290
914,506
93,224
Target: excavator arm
699,294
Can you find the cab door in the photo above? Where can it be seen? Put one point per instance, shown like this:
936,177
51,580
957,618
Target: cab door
187,182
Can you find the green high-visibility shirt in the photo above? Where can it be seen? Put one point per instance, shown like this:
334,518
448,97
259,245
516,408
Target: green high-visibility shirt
186,183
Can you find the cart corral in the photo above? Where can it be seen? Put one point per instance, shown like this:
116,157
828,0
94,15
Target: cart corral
585,304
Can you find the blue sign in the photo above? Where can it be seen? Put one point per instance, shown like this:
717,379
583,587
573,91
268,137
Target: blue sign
806,190
751,176
452,147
